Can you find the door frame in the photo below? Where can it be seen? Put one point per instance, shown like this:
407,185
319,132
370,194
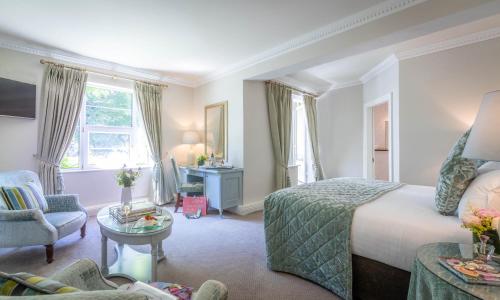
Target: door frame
368,170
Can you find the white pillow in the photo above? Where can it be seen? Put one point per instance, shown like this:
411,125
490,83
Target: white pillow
488,167
483,192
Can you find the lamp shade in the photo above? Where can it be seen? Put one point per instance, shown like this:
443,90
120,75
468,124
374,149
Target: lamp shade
190,138
484,139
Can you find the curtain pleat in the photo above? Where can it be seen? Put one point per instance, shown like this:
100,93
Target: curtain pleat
60,108
312,125
149,99
279,105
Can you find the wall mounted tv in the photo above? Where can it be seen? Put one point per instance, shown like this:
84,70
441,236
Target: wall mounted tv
17,99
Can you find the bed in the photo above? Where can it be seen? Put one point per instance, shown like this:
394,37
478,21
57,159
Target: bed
387,228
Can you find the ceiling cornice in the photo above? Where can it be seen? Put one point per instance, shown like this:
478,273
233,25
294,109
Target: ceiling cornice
351,22
450,43
379,68
68,57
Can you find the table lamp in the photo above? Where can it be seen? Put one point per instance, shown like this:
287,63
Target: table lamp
190,138
484,139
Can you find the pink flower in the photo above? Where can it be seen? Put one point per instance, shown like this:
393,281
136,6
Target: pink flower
487,212
472,221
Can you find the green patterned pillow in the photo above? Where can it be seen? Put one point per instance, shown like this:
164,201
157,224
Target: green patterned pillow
25,284
454,178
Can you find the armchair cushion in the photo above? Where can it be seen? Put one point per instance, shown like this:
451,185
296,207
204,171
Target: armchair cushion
25,284
27,196
191,188
66,222
62,203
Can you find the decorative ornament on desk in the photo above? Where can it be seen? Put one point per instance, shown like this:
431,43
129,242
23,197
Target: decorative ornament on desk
483,223
126,179
200,160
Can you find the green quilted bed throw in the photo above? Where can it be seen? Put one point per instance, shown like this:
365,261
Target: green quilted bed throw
308,229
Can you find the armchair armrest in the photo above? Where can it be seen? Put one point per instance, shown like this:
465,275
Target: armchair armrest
25,228
211,290
62,203
22,215
84,274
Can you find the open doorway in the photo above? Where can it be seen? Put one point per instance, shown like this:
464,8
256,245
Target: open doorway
378,139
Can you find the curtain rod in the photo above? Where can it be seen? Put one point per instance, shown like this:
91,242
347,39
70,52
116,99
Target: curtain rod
291,87
44,62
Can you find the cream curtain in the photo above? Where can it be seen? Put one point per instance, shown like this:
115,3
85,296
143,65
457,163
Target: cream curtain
279,105
149,99
310,106
60,108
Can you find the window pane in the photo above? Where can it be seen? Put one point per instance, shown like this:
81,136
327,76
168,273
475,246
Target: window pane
71,159
108,150
106,107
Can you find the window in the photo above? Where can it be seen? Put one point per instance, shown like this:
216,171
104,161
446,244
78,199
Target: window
109,133
301,152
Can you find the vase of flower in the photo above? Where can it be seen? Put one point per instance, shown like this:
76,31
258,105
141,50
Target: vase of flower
126,179
480,223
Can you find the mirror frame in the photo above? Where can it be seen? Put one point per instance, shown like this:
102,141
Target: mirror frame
224,107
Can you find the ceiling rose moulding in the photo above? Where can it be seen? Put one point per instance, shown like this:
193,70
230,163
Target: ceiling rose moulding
68,57
371,14
450,43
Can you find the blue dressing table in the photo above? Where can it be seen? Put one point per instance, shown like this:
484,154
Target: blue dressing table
223,187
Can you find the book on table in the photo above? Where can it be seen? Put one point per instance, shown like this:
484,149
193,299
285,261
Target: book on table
473,270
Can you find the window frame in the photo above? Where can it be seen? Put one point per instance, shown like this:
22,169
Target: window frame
86,130
308,162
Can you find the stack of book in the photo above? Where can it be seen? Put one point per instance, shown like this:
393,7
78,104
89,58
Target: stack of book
139,210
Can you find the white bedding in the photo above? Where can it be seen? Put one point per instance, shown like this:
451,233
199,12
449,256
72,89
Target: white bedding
391,228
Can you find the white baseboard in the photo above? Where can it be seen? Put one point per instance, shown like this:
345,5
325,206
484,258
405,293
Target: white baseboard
249,208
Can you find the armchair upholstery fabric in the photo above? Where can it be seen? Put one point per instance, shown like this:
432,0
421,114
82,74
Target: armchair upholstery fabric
32,226
86,276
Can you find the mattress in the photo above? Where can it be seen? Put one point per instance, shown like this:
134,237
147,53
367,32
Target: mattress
391,228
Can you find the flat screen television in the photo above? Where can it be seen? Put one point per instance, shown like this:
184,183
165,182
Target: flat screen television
17,99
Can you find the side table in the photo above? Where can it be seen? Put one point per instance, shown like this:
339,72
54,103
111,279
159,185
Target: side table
131,263
430,280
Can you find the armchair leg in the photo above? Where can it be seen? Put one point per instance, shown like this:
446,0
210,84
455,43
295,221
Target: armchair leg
49,250
83,230
178,202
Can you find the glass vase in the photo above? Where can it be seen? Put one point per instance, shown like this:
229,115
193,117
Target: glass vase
493,240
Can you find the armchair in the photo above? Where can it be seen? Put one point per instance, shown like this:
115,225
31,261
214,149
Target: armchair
85,275
31,227
184,187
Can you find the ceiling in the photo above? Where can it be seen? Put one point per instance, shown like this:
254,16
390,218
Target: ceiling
350,70
186,39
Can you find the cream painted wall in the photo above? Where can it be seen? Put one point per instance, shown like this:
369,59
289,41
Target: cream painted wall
385,85
258,152
340,130
94,187
227,89
440,94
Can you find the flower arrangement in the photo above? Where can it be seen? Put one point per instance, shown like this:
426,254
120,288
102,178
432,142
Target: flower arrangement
201,159
484,223
126,177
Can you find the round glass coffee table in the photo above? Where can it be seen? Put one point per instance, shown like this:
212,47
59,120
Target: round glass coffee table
132,263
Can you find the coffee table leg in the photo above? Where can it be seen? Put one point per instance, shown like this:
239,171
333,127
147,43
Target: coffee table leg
154,261
161,254
104,255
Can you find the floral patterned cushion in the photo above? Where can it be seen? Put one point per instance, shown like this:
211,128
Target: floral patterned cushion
455,176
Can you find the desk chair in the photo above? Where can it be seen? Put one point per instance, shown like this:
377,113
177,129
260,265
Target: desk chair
187,188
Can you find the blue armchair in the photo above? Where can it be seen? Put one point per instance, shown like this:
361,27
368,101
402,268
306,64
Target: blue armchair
32,226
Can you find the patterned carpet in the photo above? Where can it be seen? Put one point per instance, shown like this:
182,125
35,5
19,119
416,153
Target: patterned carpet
230,250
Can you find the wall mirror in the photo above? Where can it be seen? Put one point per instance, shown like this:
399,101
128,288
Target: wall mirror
216,130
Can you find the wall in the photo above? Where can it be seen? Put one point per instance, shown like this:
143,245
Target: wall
94,187
340,130
385,85
227,89
440,96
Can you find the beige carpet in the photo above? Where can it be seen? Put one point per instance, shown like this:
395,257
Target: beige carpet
230,250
